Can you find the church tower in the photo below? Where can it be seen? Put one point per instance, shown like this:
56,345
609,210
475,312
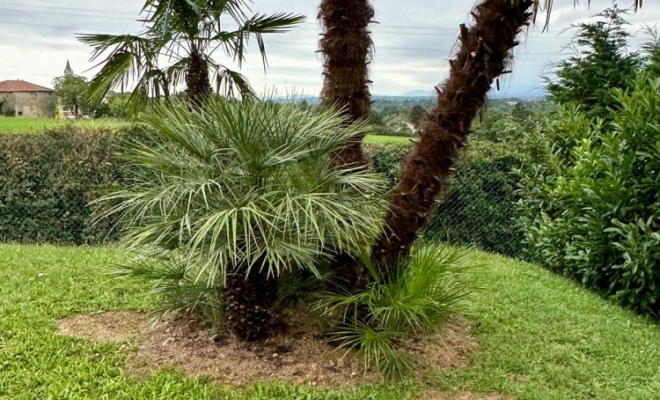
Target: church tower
68,70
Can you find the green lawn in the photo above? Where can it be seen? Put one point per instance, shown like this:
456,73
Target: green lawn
35,125
381,139
541,337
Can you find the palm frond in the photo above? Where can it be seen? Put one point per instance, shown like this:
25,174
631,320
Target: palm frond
418,299
259,25
130,56
248,185
539,6
232,84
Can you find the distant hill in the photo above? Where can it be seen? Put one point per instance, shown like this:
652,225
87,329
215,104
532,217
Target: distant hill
419,93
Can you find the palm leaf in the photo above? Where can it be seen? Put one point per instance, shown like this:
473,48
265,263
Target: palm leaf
130,56
230,83
546,5
235,185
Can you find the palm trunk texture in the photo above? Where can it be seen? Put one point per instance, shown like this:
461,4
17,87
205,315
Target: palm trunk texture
485,49
249,303
197,80
346,47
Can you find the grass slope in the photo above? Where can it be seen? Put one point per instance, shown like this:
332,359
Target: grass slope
36,125
541,337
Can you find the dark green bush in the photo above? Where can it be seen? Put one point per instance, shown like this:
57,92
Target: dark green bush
590,199
479,207
48,180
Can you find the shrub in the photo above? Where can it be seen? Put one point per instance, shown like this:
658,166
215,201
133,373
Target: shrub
424,291
601,63
590,200
244,192
479,207
47,181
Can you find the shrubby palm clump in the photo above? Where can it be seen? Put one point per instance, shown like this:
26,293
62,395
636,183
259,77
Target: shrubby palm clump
233,195
591,197
416,300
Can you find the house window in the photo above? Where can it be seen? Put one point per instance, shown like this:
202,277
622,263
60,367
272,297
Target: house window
20,113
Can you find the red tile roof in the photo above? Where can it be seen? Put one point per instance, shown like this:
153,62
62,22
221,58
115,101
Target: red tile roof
21,86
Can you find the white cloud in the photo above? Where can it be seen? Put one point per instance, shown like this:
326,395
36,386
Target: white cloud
413,40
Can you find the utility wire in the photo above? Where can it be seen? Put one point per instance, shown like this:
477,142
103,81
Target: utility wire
268,41
374,26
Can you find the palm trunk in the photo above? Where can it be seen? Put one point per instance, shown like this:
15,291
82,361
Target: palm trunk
482,58
249,303
346,47
197,79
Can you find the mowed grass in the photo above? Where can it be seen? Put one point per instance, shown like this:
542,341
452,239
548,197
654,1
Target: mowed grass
37,125
541,337
382,139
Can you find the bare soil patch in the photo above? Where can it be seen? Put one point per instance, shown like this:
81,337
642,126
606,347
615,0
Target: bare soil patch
299,355
450,348
434,395
104,327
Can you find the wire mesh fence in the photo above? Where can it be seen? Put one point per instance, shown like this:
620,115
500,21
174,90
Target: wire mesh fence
48,181
479,208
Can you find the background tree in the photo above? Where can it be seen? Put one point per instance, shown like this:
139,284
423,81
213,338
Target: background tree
346,48
599,65
72,92
187,32
416,114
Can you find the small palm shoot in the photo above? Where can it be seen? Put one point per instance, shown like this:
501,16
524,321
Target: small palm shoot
426,289
244,192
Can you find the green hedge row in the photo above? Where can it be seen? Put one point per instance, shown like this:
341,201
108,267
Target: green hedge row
479,207
48,180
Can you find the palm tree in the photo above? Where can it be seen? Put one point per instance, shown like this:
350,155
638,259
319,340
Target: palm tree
483,56
177,46
346,48
246,191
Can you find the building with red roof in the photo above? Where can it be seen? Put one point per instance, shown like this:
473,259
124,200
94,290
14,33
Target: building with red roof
25,99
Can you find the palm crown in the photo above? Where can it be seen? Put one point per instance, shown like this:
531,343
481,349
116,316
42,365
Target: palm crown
177,45
249,185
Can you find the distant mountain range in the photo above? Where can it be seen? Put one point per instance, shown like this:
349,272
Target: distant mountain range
525,93
522,92
419,93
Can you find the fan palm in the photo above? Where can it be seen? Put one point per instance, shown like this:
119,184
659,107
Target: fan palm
177,46
247,191
484,53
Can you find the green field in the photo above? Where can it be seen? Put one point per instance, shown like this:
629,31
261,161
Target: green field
36,125
541,337
381,139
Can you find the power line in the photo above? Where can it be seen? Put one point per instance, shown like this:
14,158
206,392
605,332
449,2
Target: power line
69,14
66,8
375,26
279,42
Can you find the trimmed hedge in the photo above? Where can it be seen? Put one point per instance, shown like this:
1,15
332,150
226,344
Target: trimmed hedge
479,207
48,180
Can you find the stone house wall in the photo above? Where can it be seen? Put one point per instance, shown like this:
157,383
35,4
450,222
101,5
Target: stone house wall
28,104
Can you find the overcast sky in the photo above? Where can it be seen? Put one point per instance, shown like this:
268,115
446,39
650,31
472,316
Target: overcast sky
413,40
